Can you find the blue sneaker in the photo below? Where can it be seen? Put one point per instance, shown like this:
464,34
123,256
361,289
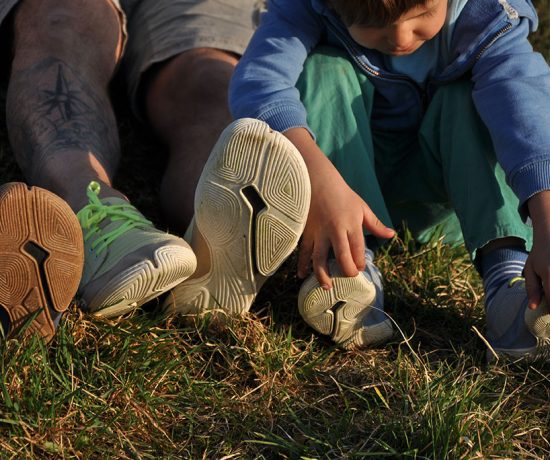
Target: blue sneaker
514,330
352,312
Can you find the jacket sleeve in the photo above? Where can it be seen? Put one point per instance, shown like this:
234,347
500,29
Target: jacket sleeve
512,95
263,84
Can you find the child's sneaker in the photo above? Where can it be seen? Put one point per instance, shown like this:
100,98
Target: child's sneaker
251,207
127,260
352,312
513,329
41,257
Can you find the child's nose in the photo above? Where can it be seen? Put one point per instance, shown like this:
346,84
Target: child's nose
402,37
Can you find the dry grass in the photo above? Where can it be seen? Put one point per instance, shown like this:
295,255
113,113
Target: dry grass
265,387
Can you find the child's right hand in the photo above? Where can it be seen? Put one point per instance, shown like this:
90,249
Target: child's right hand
336,217
537,267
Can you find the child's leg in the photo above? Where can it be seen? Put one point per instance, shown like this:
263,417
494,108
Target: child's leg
413,188
338,99
460,156
455,141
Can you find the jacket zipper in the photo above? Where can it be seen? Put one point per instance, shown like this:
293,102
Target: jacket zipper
422,94
353,53
496,36
499,34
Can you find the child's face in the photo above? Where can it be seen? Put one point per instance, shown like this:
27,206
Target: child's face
407,34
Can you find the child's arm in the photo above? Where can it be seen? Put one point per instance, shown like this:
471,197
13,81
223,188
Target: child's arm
512,96
336,218
264,82
537,267
264,87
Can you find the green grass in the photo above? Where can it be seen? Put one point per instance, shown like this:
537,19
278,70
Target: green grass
267,387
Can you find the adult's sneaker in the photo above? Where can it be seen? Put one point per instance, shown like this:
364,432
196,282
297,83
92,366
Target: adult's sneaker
41,258
352,312
513,329
251,206
127,260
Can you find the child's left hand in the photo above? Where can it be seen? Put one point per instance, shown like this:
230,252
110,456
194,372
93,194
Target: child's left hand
537,267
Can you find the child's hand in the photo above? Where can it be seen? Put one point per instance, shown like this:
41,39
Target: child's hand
537,267
537,274
336,218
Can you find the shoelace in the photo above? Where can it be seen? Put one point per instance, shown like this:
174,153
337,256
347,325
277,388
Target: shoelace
515,280
91,215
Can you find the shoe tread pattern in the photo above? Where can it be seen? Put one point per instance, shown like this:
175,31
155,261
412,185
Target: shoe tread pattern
245,247
339,312
36,217
538,321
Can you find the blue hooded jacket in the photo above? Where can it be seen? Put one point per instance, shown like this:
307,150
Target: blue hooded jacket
489,46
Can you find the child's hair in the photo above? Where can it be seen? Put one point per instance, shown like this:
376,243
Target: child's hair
372,13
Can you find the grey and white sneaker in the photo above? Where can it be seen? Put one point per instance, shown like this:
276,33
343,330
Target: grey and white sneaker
127,261
251,207
352,312
514,330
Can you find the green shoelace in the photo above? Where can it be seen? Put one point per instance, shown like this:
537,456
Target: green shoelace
516,279
91,216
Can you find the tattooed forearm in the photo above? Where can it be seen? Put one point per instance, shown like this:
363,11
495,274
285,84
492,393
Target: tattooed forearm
51,108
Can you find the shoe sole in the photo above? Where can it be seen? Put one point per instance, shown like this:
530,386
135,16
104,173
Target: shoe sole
41,257
143,282
251,206
339,312
538,323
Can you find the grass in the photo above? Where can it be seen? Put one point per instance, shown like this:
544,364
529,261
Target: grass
266,387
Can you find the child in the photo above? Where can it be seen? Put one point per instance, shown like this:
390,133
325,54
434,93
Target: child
432,112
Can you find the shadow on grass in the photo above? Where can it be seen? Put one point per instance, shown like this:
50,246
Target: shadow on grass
432,292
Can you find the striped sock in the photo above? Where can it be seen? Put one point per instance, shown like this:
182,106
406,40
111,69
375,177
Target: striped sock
500,266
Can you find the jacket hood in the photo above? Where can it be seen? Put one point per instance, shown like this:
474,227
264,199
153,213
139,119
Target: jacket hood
476,28
481,19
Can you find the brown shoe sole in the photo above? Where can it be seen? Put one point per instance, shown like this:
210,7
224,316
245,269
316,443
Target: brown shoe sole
41,257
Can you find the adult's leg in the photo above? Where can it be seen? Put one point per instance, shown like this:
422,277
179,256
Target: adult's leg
187,68
180,58
60,121
187,106
64,135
